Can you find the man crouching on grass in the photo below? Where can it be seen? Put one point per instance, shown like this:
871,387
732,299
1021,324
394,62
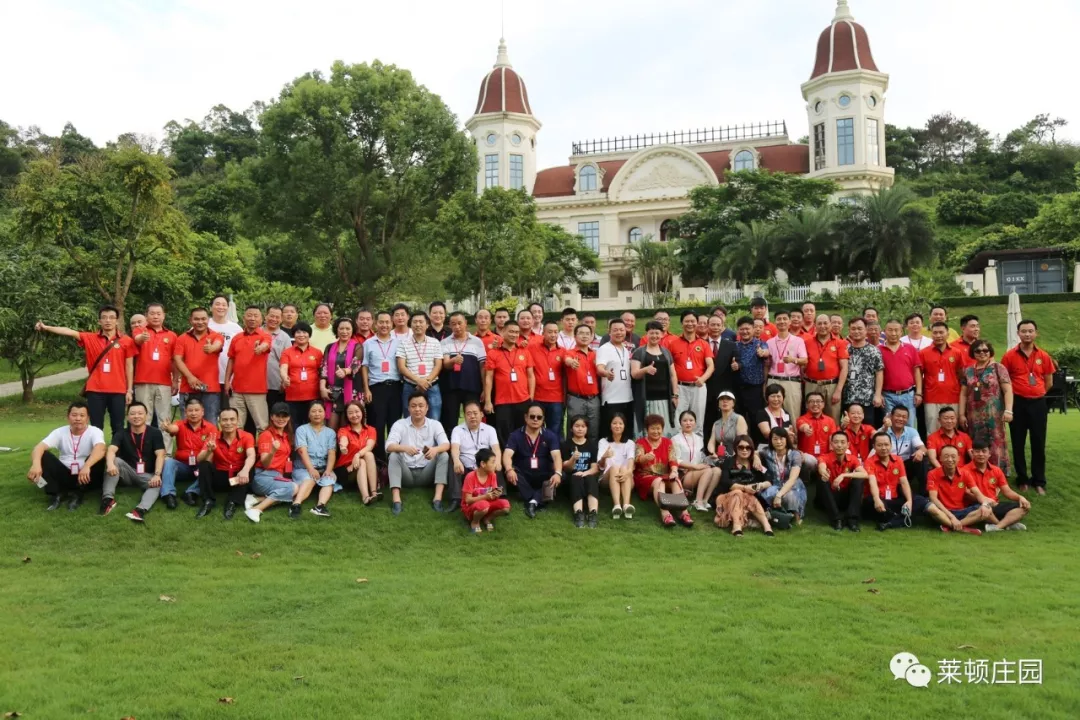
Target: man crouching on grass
77,466
481,496
987,483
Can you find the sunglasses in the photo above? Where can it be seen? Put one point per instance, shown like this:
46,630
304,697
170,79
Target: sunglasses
744,447
536,417
982,351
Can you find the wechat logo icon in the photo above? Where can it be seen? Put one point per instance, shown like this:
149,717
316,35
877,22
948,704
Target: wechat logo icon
906,666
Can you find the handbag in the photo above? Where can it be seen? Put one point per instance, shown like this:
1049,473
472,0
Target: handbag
781,519
674,501
93,366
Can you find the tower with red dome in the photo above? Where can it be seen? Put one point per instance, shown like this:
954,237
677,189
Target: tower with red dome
845,103
504,129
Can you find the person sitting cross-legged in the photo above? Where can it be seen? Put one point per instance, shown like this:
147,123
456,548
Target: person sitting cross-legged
890,500
136,457
990,482
842,477
272,482
191,456
76,466
950,491
465,439
418,449
316,446
481,497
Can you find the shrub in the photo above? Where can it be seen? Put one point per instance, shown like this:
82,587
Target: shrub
962,207
1012,208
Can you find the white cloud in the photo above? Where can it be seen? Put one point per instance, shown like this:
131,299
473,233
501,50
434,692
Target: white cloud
594,69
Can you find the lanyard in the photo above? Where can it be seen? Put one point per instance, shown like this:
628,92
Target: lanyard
535,447
75,445
621,356
381,349
896,441
1029,361
475,439
689,447
510,357
420,355
139,447
781,352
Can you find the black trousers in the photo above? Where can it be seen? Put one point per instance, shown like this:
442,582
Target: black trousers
383,412
916,476
59,480
750,401
1029,416
609,410
116,405
848,498
530,484
582,486
508,418
298,411
452,402
212,480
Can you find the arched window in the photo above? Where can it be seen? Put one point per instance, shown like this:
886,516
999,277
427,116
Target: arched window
587,179
744,160
666,229
635,234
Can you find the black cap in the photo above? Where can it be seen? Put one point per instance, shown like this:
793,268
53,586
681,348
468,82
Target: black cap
280,408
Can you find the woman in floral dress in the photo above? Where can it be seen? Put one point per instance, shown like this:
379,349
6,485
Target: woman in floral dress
986,400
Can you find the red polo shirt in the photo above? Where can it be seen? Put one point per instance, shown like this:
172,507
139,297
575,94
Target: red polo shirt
303,373
859,440
204,366
941,375
281,460
840,465
490,340
160,345
1027,371
665,341
362,337
832,351
768,332
110,375
249,368
990,482
509,390
817,442
887,473
230,457
689,357
900,367
549,370
582,381
193,440
963,347
959,440
354,443
950,492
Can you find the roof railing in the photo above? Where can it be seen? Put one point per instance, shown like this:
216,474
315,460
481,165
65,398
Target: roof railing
729,133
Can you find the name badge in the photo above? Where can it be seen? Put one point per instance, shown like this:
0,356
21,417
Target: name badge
888,493
140,468
155,356
551,375
941,376
817,449
821,364
106,367
422,369
534,463
689,364
622,374
385,367
1031,379
513,376
303,375
191,459
457,367
74,468
588,378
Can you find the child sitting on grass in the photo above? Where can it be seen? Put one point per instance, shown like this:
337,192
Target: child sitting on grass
481,496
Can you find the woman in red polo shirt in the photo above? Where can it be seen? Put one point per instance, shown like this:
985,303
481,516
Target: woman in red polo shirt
300,374
656,469
356,453
274,467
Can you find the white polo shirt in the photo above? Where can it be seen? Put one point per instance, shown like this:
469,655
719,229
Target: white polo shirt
616,359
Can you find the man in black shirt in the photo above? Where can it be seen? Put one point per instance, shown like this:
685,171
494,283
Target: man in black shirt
723,378
136,457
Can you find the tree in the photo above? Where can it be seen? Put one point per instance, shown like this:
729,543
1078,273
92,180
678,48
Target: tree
353,165
745,254
656,263
564,260
951,141
715,211
885,237
109,212
962,207
903,150
807,244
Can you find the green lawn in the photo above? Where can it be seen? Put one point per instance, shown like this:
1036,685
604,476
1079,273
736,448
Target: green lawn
535,620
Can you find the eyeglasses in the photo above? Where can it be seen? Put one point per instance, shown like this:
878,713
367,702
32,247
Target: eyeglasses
744,447
982,351
536,417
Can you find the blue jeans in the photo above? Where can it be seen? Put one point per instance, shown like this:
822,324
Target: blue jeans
434,398
176,470
553,417
904,399
794,501
211,402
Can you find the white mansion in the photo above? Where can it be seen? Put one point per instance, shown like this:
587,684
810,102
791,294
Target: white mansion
618,190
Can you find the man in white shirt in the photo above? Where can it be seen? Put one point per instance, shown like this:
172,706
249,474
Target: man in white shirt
219,323
566,339
77,464
468,437
613,367
417,448
915,337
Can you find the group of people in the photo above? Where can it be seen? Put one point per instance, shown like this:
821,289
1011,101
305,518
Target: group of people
750,423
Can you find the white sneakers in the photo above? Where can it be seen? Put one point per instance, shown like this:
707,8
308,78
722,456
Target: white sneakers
616,512
252,514
250,501
628,512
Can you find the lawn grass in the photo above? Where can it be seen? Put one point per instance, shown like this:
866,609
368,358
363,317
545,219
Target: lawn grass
536,620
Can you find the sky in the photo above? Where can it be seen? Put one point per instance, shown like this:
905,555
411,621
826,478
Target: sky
593,68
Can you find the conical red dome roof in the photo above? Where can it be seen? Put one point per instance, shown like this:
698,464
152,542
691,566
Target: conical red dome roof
502,89
844,45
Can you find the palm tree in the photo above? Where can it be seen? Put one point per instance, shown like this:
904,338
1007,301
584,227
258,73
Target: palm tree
746,253
655,263
808,245
885,236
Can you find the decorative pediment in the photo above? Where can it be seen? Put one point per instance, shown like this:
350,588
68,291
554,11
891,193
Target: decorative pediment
661,172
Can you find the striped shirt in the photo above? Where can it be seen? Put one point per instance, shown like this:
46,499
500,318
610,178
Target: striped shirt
420,356
469,375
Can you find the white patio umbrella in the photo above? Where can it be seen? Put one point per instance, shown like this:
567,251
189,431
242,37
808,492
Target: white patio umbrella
231,314
1012,317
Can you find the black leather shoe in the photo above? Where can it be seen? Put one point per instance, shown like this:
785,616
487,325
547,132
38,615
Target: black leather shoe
853,525
837,525
530,510
75,502
170,502
54,502
206,509
294,511
230,510
191,499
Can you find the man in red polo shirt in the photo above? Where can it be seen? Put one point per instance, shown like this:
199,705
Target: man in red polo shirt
693,368
826,365
364,323
245,374
483,329
1032,372
950,492
662,317
509,382
155,379
110,355
196,361
947,436
889,499
969,333
582,382
814,430
902,381
808,330
759,310
859,434
195,438
549,371
990,482
842,477
942,366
